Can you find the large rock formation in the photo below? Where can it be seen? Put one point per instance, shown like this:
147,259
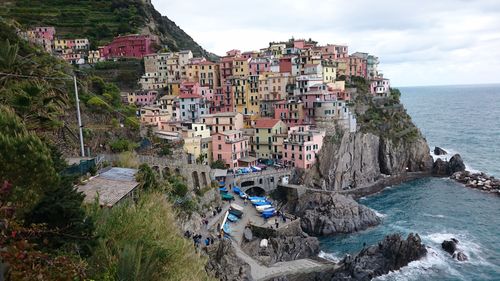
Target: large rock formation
447,168
439,151
450,246
224,265
283,248
361,159
331,213
390,254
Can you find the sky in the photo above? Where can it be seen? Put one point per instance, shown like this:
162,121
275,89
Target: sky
424,42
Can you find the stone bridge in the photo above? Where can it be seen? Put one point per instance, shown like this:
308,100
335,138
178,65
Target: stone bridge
264,181
196,175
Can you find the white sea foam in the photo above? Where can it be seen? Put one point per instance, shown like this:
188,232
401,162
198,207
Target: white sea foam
450,153
328,256
434,216
380,215
362,198
434,261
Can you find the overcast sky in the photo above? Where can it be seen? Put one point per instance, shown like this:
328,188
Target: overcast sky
425,42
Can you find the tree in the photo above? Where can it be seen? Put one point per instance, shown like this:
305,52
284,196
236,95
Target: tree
22,153
147,178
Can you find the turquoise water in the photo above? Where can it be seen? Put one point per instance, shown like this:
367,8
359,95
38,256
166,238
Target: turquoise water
462,119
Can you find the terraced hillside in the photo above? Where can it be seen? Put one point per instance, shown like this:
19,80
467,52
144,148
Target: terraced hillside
99,20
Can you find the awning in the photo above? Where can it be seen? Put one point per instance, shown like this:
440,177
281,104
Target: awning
248,159
219,173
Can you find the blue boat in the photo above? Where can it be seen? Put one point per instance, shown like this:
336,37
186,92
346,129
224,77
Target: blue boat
269,210
232,218
221,183
268,215
243,195
257,198
236,190
260,203
226,228
223,189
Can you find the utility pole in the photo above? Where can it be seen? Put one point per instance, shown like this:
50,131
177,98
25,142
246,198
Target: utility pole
80,127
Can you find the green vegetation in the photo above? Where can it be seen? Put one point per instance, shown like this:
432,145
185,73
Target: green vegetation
141,242
218,164
98,20
385,116
122,145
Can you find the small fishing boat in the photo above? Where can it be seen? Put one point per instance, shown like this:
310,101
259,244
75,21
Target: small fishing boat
261,203
223,189
236,190
268,214
262,207
269,210
232,218
227,228
243,195
226,196
257,198
236,210
222,183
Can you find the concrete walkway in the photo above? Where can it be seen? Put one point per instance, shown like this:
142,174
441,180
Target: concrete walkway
258,271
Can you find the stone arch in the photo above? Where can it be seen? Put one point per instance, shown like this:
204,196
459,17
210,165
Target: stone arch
256,191
247,183
166,172
196,180
156,169
204,179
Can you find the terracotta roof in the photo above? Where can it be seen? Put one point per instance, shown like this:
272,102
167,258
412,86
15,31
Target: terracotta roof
266,123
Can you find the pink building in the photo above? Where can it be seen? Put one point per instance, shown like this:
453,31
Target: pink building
143,98
223,99
45,32
259,65
380,87
357,66
301,146
129,46
232,147
332,51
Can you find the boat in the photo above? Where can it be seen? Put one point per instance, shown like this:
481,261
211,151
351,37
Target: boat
223,189
236,190
261,203
236,210
232,218
262,207
269,210
243,195
268,214
257,198
226,228
221,183
226,196
256,169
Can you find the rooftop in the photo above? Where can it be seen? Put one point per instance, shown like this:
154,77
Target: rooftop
266,123
110,186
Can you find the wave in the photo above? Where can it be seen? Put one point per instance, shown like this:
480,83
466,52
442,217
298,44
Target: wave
328,256
434,216
424,269
380,215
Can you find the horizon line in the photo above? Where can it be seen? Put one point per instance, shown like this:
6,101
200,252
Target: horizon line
444,85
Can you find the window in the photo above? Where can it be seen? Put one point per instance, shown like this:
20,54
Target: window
218,138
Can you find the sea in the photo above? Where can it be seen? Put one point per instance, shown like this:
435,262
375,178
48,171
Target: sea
461,119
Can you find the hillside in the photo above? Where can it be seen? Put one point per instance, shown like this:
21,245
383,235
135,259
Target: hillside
100,20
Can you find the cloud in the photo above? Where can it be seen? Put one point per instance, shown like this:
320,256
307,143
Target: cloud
418,42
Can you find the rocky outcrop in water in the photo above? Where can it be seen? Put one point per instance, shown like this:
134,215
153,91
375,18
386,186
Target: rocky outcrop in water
479,181
390,254
331,213
361,159
447,168
439,151
283,248
450,246
224,265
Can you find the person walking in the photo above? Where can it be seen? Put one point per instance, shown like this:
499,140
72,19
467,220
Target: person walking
276,223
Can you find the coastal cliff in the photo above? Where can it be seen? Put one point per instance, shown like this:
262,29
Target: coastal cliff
387,144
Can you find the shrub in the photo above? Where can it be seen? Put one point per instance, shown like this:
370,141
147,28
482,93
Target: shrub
122,145
218,164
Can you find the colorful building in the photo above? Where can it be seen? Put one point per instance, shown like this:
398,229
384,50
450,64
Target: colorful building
130,46
265,142
301,146
232,148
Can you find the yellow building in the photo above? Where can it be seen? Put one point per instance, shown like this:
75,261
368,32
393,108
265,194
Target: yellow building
209,74
240,67
197,141
329,73
268,137
192,72
241,90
